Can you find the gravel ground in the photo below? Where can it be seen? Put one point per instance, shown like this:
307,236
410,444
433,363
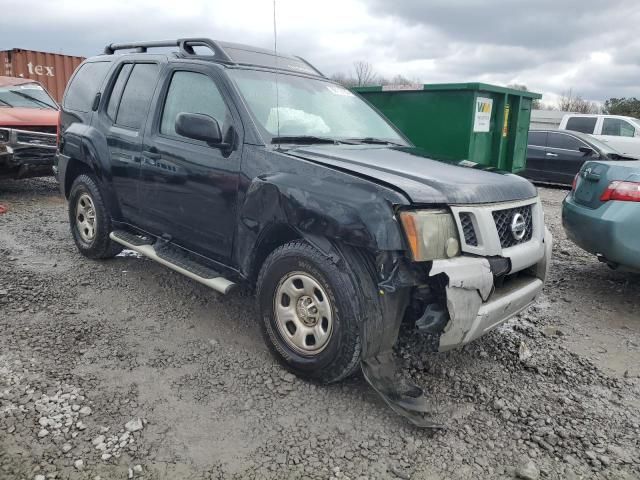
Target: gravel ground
124,369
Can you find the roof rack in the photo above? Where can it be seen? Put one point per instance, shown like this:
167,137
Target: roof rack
184,44
311,66
186,47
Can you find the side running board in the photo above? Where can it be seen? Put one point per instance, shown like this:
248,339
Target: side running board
174,260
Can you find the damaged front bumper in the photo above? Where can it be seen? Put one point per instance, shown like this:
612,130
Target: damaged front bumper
453,301
25,153
476,304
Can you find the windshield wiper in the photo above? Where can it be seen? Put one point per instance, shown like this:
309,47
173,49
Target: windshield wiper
5,103
34,99
309,139
375,141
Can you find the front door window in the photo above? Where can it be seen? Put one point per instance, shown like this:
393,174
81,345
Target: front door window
618,128
192,92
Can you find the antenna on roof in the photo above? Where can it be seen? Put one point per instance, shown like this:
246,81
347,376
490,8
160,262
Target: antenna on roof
275,51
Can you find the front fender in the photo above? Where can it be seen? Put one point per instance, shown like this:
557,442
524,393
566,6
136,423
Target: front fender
338,208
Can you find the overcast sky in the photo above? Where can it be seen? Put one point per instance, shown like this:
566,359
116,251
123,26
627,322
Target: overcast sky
590,46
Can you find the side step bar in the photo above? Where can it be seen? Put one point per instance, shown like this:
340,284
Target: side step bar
220,284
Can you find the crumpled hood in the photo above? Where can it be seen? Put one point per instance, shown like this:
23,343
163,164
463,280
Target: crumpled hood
24,117
422,179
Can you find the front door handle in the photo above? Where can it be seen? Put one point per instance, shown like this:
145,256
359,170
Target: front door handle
549,154
152,154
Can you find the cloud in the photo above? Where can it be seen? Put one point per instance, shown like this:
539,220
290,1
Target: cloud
551,46
548,45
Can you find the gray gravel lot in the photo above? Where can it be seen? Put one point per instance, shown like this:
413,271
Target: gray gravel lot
124,369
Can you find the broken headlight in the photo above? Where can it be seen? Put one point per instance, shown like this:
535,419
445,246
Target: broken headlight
431,234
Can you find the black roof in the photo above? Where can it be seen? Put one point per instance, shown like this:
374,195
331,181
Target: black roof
223,52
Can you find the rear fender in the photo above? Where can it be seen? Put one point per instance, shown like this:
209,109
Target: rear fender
86,145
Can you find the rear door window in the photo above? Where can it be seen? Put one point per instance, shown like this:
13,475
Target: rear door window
537,139
116,91
617,128
564,141
85,85
137,94
582,124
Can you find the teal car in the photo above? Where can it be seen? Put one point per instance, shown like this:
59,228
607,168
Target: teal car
601,214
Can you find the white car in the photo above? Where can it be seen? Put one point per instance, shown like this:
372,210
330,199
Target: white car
621,133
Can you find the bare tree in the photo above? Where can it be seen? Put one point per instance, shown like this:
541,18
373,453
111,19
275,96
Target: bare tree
570,102
344,80
401,80
364,74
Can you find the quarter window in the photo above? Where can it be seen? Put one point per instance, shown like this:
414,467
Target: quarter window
617,128
582,124
136,97
85,85
566,142
192,92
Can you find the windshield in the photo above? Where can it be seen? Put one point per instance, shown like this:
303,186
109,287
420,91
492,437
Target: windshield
310,107
27,95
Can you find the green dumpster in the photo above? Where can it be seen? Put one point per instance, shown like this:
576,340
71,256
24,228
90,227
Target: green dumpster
476,122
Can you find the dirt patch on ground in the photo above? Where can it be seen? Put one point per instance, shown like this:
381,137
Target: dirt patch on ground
124,369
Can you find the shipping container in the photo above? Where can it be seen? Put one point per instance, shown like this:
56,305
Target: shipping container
52,70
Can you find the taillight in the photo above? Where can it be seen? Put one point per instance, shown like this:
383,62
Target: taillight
622,191
575,183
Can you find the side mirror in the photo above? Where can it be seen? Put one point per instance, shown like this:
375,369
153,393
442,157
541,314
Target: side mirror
199,127
588,151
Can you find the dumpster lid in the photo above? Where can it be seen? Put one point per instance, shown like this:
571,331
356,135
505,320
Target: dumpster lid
474,86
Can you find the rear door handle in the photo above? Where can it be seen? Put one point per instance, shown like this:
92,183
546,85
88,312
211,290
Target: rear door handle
549,154
152,154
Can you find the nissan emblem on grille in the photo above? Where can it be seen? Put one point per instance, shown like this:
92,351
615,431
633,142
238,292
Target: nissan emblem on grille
518,226
514,225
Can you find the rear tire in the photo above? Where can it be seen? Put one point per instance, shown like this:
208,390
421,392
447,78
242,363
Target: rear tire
315,332
90,220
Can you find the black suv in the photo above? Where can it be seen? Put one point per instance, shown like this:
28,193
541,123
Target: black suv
236,166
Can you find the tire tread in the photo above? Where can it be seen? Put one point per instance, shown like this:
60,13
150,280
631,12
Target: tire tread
347,360
102,247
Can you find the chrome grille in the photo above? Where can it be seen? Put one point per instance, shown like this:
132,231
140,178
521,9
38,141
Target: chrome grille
468,231
503,219
24,137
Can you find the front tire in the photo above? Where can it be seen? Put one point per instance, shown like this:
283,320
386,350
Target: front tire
90,220
308,313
